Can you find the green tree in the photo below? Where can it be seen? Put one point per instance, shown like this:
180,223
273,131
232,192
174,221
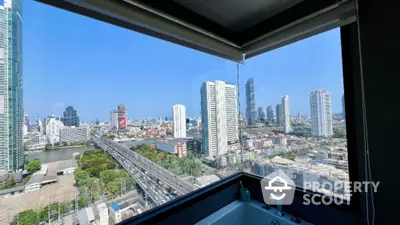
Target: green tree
28,217
339,135
80,174
48,147
27,178
83,201
113,188
11,182
34,166
26,159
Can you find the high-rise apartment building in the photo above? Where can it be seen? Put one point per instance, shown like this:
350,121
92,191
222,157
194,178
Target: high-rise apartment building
321,113
251,113
11,98
261,114
285,114
39,124
27,123
219,115
270,113
279,114
114,124
122,117
70,117
53,126
179,115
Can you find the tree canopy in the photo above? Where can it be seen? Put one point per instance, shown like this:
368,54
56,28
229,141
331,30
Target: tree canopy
98,173
187,165
34,166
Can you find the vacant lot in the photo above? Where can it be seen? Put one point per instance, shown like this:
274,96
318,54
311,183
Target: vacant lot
60,191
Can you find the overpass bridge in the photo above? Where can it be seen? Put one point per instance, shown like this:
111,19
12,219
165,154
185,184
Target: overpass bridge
145,172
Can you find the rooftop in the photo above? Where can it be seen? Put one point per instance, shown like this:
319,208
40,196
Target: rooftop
71,163
207,179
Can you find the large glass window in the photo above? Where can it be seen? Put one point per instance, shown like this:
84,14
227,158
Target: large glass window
115,123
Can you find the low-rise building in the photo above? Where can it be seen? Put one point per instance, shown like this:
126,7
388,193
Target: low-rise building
39,179
125,207
103,214
173,146
67,167
206,180
85,216
74,134
193,145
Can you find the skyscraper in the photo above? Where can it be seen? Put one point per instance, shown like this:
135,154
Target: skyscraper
11,102
218,117
39,125
122,117
279,115
261,114
179,114
285,114
70,117
321,113
251,113
270,113
27,123
114,120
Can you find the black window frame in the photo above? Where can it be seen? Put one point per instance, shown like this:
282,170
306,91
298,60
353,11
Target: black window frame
223,192
356,135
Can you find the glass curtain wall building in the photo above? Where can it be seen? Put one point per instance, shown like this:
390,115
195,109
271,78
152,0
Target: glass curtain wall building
11,110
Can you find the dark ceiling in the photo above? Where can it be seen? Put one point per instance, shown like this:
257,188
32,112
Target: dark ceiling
232,29
238,15
238,21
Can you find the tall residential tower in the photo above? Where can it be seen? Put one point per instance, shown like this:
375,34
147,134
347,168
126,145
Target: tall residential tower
219,117
279,115
251,113
11,98
270,113
321,113
285,114
179,115
70,117
261,114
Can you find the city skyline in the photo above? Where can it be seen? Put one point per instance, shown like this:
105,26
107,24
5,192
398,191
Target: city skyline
56,76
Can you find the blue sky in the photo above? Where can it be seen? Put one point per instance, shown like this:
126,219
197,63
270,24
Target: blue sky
69,59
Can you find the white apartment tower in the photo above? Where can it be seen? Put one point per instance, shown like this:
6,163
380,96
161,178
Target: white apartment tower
285,114
114,124
321,113
179,114
219,117
53,127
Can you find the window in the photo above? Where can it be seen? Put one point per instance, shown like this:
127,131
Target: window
116,123
295,113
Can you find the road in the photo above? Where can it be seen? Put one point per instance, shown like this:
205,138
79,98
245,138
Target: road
155,181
